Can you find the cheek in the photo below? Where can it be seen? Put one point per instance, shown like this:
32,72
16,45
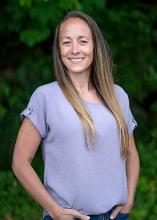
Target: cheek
90,53
89,50
63,54
63,51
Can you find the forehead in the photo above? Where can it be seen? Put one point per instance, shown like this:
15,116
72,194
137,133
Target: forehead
74,27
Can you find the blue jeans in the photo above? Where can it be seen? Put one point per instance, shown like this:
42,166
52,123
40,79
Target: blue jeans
105,216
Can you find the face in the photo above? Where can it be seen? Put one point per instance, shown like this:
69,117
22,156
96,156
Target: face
76,45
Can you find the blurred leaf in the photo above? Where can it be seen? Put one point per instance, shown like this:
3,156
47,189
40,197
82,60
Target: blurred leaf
31,37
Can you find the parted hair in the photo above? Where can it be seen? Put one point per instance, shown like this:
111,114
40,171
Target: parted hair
101,77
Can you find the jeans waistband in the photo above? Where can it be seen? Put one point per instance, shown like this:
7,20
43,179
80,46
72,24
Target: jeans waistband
103,216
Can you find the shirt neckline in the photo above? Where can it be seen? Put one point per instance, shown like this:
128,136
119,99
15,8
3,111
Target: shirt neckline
84,100
91,103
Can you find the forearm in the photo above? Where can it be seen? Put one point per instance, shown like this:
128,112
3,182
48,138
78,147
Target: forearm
132,169
31,182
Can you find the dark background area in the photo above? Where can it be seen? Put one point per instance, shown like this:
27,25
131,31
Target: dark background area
26,36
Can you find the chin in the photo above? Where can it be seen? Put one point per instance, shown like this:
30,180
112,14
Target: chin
76,70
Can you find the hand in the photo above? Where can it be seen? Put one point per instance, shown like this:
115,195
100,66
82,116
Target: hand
69,214
126,208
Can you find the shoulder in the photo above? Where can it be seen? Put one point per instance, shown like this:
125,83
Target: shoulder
120,92
121,95
44,93
46,88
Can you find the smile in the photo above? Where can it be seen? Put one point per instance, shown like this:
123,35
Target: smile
76,60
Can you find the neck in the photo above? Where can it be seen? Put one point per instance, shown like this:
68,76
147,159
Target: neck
82,82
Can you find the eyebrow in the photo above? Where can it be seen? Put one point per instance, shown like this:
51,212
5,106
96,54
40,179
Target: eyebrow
80,37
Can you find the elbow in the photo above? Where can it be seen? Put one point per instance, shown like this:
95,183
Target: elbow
15,166
18,165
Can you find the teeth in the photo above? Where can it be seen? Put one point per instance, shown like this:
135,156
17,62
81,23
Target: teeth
76,60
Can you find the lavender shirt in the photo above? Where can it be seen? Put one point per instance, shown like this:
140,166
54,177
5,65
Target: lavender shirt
90,181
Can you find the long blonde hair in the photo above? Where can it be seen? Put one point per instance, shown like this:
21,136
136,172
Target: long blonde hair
101,78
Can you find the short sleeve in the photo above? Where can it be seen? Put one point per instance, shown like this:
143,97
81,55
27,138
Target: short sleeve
125,105
36,112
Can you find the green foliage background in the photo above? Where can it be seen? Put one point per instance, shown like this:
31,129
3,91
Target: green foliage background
26,36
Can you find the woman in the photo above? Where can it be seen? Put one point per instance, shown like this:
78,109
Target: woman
85,126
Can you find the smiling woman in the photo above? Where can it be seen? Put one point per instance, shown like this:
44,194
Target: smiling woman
76,49
85,126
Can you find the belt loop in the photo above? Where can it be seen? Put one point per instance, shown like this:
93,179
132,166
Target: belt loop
102,217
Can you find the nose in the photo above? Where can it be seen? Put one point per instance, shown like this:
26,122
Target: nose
75,48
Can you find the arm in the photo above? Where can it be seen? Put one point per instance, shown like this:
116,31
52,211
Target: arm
132,170
27,143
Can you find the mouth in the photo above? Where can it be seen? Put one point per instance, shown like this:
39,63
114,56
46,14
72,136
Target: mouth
76,60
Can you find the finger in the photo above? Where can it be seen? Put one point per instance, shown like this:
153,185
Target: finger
76,214
115,212
81,216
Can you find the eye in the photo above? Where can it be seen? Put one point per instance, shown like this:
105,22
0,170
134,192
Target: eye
66,43
83,42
